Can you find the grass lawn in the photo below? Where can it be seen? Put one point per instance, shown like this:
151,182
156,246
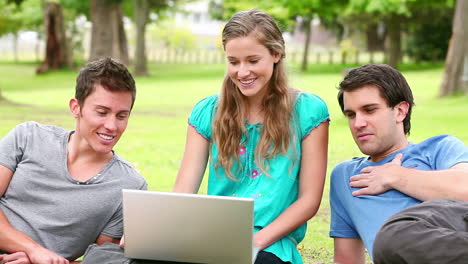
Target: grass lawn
155,138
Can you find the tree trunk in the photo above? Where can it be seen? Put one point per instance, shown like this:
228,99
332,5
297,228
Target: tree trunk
465,71
141,20
394,47
307,31
375,41
56,54
108,37
457,55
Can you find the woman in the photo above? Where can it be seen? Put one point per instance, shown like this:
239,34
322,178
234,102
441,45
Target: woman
264,139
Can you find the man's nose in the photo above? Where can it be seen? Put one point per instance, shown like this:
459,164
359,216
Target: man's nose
360,121
111,123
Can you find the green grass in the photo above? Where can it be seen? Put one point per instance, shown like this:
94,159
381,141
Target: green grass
155,138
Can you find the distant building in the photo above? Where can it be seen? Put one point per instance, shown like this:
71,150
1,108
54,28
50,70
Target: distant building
196,17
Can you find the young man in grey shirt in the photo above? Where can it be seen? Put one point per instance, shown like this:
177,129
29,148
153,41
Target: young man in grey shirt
60,190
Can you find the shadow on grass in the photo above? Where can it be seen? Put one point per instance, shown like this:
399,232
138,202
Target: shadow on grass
6,102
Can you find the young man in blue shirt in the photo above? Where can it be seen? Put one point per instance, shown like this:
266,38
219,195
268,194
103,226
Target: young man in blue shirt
395,174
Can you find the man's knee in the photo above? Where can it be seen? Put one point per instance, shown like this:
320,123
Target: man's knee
388,243
406,236
106,253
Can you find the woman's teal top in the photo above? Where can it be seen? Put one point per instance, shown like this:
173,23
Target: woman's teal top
275,192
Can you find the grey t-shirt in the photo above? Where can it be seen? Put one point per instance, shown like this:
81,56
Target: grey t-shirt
46,203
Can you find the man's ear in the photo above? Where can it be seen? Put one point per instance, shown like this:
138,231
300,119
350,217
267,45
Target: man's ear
402,110
74,107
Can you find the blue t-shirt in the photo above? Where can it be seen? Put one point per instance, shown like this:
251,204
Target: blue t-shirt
275,192
362,216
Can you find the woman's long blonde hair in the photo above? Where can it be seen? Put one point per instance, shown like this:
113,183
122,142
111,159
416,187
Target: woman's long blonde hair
277,105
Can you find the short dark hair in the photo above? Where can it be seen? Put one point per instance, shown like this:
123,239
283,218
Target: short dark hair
392,86
109,73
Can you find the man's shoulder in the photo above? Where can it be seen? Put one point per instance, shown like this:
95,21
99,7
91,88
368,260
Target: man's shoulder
35,127
438,138
131,179
36,134
347,168
439,141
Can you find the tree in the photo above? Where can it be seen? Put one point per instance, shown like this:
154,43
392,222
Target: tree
307,11
57,54
375,40
285,12
224,9
428,39
16,16
457,57
395,14
74,11
392,13
28,15
142,9
7,25
10,24
108,36
307,28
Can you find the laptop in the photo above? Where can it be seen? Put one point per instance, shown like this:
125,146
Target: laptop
190,228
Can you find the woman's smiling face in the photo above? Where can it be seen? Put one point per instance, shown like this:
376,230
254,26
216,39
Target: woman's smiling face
250,65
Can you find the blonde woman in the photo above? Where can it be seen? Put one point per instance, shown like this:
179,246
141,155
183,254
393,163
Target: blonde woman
264,139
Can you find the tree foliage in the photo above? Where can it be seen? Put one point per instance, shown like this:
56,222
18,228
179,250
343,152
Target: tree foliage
307,10
223,10
396,15
285,12
20,15
428,39
76,8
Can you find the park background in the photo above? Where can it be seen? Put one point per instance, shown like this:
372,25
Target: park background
174,51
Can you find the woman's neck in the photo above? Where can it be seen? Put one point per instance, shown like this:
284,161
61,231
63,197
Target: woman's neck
255,113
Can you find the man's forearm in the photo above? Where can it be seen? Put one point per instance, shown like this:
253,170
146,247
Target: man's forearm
12,240
426,185
420,184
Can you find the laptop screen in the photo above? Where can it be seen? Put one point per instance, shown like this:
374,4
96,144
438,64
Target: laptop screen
190,228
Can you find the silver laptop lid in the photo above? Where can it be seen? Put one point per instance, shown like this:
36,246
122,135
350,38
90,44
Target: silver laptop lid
187,227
